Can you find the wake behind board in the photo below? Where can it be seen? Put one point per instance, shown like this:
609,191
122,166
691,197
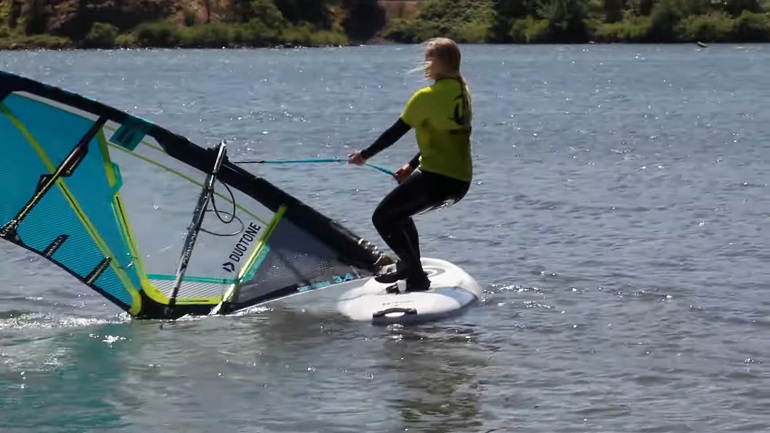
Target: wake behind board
452,290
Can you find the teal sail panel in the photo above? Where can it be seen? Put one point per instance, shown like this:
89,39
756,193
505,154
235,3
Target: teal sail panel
75,218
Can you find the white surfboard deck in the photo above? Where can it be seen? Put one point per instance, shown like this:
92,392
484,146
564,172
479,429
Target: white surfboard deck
452,289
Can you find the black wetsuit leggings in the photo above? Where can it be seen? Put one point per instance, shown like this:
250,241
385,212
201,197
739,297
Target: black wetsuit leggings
420,192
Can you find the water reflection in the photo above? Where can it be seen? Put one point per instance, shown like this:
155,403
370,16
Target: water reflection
436,370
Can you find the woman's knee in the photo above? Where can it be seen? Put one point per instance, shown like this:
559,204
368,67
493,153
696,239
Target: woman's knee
399,205
388,215
380,218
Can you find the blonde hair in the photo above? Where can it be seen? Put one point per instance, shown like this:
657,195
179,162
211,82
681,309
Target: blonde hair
442,60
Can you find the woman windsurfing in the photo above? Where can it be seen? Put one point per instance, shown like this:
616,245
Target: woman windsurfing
441,172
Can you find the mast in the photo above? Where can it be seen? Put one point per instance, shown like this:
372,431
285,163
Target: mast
195,224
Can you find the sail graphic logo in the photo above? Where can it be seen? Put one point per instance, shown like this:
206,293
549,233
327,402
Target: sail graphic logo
241,247
336,279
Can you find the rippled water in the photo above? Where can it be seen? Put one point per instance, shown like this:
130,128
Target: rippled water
618,224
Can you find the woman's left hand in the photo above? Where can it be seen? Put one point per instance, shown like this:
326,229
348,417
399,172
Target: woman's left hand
356,158
402,173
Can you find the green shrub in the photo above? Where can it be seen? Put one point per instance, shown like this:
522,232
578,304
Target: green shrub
157,34
101,35
29,42
632,30
213,35
714,26
664,21
529,30
752,27
125,41
462,20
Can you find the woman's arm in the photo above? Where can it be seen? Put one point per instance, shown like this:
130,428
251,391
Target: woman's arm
387,138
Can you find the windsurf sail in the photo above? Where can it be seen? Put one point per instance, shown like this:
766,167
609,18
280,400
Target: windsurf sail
158,225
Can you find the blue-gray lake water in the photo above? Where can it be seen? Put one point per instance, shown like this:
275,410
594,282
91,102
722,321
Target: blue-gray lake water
618,224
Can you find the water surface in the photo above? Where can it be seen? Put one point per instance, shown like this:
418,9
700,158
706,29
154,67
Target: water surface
617,222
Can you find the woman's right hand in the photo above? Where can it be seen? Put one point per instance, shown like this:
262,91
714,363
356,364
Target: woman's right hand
402,173
356,158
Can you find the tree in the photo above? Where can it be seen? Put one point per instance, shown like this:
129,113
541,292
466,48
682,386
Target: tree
363,19
314,12
15,13
35,15
506,12
613,10
243,11
207,5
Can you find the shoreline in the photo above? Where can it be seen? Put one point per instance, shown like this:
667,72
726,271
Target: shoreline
374,43
72,46
698,44
751,28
